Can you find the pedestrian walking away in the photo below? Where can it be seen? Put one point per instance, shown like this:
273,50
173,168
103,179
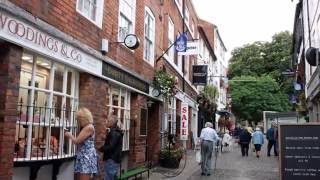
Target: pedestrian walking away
112,148
86,163
271,137
257,140
226,141
245,138
208,138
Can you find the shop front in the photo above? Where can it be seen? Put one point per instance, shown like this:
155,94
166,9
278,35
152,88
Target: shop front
43,81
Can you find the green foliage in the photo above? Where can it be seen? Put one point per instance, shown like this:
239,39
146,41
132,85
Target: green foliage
262,61
207,99
252,95
176,153
210,92
264,58
165,83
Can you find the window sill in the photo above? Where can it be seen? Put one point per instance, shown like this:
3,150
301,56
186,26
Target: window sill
22,162
98,24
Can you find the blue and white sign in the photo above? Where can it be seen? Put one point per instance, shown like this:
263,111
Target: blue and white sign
181,43
297,86
192,49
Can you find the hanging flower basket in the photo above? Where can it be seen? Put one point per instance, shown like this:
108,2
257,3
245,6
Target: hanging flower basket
165,83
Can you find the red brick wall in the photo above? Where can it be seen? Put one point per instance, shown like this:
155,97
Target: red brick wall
93,94
137,143
154,120
62,14
10,61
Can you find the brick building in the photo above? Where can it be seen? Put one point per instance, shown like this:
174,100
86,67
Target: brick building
51,63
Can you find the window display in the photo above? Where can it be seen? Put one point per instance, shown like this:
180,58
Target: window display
119,105
48,100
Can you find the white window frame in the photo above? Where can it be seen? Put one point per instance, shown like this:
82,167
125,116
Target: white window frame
192,28
125,126
171,39
148,15
187,16
130,20
172,111
47,119
179,5
99,12
187,66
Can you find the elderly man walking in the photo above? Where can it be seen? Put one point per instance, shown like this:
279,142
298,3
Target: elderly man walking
208,138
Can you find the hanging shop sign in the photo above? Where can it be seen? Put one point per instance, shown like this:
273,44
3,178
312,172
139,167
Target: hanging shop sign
184,121
192,48
124,77
25,35
299,151
199,74
181,43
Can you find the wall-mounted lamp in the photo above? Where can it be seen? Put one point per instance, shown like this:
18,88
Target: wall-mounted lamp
312,56
149,103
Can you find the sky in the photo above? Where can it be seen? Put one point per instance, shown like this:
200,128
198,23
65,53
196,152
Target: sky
245,21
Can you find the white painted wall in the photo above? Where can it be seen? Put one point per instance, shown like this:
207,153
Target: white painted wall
314,13
21,173
45,173
66,171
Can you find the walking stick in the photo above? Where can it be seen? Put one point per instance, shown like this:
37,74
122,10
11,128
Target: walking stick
216,156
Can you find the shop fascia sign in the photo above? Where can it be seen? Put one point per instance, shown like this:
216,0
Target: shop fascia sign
184,121
192,48
21,33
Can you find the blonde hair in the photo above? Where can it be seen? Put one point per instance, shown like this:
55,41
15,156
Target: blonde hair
84,117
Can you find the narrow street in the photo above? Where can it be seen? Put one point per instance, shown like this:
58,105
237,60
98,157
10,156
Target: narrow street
232,166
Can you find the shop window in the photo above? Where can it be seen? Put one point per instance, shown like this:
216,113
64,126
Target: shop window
127,16
48,99
92,10
119,105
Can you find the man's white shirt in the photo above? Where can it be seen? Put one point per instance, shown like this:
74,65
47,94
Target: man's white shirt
209,134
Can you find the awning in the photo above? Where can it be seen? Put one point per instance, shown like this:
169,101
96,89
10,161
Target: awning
223,113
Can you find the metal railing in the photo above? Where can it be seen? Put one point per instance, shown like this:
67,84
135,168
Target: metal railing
40,133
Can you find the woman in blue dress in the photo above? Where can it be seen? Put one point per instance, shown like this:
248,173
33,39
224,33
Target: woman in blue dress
86,162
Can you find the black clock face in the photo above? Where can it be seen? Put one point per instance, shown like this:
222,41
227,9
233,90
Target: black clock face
155,93
131,41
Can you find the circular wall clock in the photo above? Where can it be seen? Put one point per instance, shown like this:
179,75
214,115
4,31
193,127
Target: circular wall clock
155,92
131,41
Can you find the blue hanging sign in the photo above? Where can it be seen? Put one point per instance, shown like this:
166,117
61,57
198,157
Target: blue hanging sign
297,86
181,43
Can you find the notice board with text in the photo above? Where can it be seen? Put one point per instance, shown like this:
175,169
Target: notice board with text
299,151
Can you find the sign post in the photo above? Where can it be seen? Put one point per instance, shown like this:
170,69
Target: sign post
184,122
299,151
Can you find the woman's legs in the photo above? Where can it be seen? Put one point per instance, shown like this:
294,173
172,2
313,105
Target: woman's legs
81,176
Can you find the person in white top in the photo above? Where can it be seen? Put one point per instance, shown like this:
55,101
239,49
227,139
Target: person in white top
226,140
208,138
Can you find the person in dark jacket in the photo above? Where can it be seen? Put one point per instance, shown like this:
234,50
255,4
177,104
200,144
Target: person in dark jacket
271,137
245,138
112,149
